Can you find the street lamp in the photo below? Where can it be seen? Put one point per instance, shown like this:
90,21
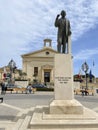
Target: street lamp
85,68
12,66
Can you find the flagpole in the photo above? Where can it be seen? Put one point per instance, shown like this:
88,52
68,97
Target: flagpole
85,68
94,72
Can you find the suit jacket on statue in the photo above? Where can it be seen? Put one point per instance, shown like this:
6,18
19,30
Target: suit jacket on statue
63,25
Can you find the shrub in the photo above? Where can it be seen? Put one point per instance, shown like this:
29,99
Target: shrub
44,89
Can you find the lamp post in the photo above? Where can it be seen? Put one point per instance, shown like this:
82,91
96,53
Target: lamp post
12,66
85,68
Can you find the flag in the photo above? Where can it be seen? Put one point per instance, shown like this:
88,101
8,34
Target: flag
93,63
90,76
4,72
79,75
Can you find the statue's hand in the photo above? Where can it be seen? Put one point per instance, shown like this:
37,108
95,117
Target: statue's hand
58,15
69,33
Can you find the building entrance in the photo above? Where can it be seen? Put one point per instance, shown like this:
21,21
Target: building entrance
46,77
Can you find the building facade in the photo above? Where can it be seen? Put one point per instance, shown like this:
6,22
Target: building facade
39,65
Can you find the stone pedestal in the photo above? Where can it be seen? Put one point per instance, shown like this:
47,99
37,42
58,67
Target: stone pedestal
64,102
63,77
43,120
66,107
64,112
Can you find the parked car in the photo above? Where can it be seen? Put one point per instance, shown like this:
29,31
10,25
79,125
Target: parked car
42,87
10,87
39,86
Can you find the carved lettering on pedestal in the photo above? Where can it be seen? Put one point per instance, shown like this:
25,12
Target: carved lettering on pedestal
63,80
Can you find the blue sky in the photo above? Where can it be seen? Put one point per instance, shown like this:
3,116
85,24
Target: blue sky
25,23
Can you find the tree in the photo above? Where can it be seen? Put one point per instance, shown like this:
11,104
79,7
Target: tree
24,74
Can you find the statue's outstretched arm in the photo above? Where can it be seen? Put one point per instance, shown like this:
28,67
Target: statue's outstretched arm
57,21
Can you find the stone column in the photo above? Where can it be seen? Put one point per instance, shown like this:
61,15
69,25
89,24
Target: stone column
51,75
42,79
69,45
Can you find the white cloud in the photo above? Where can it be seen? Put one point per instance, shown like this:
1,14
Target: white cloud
25,23
86,54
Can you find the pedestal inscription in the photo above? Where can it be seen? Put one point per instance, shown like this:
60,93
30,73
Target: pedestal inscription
62,80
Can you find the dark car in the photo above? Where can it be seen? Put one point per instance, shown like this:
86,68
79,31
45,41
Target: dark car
10,87
39,86
42,87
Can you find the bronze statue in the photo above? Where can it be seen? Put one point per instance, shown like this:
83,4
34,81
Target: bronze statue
64,31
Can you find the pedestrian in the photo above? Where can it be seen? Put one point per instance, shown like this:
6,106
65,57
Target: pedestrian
29,88
86,92
82,92
2,87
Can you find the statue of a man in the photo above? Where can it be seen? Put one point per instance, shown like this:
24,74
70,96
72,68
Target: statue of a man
64,31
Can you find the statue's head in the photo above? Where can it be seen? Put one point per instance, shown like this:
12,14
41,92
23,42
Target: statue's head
63,13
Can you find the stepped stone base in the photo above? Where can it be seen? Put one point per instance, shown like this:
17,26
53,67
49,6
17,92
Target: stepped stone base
66,107
39,118
43,120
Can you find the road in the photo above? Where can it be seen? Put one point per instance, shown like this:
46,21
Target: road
13,103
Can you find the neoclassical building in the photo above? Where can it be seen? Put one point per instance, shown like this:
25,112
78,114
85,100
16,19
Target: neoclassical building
40,64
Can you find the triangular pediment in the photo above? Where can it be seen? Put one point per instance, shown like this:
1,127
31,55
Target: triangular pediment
41,53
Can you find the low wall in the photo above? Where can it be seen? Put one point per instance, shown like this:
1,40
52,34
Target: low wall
22,83
76,85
